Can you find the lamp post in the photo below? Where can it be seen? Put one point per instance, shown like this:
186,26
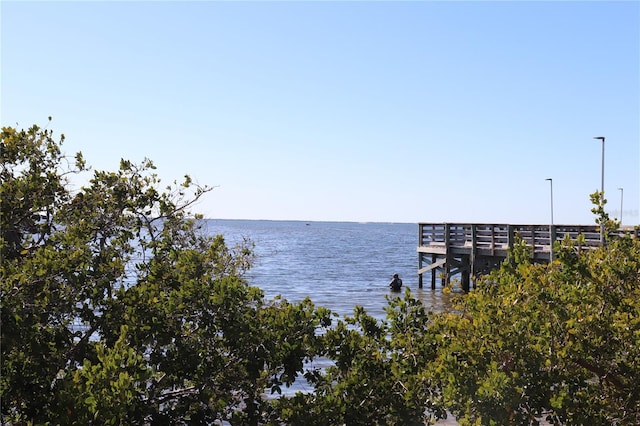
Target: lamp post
601,187
551,225
621,198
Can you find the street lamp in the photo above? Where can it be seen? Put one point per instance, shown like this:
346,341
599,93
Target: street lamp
621,197
601,187
551,225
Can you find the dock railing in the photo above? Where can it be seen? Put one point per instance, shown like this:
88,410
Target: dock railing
499,237
471,249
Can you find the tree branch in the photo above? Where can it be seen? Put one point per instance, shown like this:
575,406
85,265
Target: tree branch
601,373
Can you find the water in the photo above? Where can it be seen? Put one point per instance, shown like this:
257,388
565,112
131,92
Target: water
337,264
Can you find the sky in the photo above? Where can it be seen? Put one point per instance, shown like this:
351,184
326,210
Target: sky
365,111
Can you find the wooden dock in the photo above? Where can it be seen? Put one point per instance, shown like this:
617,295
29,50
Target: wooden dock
473,249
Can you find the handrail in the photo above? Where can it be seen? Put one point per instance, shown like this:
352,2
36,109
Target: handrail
501,236
472,249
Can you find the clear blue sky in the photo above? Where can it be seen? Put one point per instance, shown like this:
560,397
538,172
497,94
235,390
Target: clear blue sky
348,111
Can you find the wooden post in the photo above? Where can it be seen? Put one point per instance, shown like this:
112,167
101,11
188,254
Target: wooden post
465,273
433,272
493,240
474,253
533,242
510,236
447,250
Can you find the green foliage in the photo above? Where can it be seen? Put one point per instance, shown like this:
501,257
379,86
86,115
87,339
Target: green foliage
377,375
602,217
118,309
558,342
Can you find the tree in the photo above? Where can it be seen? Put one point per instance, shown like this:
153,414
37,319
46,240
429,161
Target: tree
559,342
118,309
376,374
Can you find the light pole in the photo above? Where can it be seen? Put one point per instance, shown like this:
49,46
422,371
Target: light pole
621,198
551,225
601,188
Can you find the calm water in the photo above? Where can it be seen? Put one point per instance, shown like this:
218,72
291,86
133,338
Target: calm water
337,264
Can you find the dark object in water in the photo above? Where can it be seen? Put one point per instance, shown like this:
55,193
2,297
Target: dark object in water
396,283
